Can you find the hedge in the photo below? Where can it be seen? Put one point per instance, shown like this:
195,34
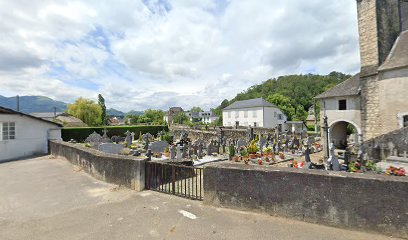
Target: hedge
81,133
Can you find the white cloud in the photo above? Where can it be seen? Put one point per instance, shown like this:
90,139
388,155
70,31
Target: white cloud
160,53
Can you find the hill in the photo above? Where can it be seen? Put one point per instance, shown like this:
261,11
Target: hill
133,112
115,113
29,104
293,94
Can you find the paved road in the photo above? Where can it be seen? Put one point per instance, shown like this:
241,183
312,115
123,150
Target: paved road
46,198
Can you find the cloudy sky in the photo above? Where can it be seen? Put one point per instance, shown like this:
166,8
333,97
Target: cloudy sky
143,54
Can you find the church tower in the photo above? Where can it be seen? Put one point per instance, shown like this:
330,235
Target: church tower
381,23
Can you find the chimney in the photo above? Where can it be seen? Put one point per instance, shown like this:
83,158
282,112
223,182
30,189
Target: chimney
18,103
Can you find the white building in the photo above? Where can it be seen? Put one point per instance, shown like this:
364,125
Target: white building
24,135
206,117
254,112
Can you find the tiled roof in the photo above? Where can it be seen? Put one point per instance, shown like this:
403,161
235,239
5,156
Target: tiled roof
350,87
4,110
257,102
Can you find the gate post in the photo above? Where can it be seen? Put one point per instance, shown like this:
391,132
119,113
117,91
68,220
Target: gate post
173,179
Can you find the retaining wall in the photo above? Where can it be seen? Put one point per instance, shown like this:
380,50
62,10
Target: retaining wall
121,170
374,203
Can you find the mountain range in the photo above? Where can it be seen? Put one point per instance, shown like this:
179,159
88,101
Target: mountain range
35,104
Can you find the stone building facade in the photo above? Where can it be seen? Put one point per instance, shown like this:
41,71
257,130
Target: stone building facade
383,79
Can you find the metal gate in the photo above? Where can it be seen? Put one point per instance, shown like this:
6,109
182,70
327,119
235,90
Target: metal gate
179,180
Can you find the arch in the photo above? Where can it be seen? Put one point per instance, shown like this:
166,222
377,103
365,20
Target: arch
338,133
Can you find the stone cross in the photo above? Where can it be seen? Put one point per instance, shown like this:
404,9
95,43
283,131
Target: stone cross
179,152
128,138
105,133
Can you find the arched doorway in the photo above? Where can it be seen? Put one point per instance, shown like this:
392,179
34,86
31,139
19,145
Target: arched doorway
343,133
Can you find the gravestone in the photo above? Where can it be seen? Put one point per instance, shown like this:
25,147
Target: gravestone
94,139
159,146
111,148
333,162
296,143
185,151
172,152
200,151
262,141
133,136
241,143
213,147
179,152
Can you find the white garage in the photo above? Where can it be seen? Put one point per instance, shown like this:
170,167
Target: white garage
24,135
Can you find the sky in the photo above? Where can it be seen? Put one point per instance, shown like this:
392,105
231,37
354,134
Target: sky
142,54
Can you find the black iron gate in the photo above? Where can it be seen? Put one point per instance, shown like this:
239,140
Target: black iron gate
179,180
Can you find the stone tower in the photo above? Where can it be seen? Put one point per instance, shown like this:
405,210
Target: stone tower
380,24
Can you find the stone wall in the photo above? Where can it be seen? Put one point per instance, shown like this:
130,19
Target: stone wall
213,133
381,147
120,170
373,203
367,23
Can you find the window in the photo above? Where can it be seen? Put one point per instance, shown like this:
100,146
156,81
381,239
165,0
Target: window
343,104
279,116
229,114
405,121
254,124
245,114
274,113
236,114
8,131
254,114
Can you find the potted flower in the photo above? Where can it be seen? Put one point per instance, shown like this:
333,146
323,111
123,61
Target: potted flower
252,149
236,158
260,161
244,155
281,155
166,152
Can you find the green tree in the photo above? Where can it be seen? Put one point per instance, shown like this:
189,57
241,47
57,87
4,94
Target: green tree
86,110
196,109
133,119
151,116
101,102
283,103
181,118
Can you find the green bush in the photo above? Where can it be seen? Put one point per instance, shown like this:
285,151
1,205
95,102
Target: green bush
80,134
311,128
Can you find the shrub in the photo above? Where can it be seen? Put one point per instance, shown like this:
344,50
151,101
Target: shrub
80,134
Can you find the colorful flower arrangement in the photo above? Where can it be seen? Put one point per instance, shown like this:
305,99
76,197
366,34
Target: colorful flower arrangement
395,171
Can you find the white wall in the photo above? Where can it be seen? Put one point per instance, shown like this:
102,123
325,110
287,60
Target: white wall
31,137
263,117
352,114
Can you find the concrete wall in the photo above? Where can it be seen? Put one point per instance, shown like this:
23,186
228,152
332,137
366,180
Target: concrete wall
362,202
31,137
120,170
